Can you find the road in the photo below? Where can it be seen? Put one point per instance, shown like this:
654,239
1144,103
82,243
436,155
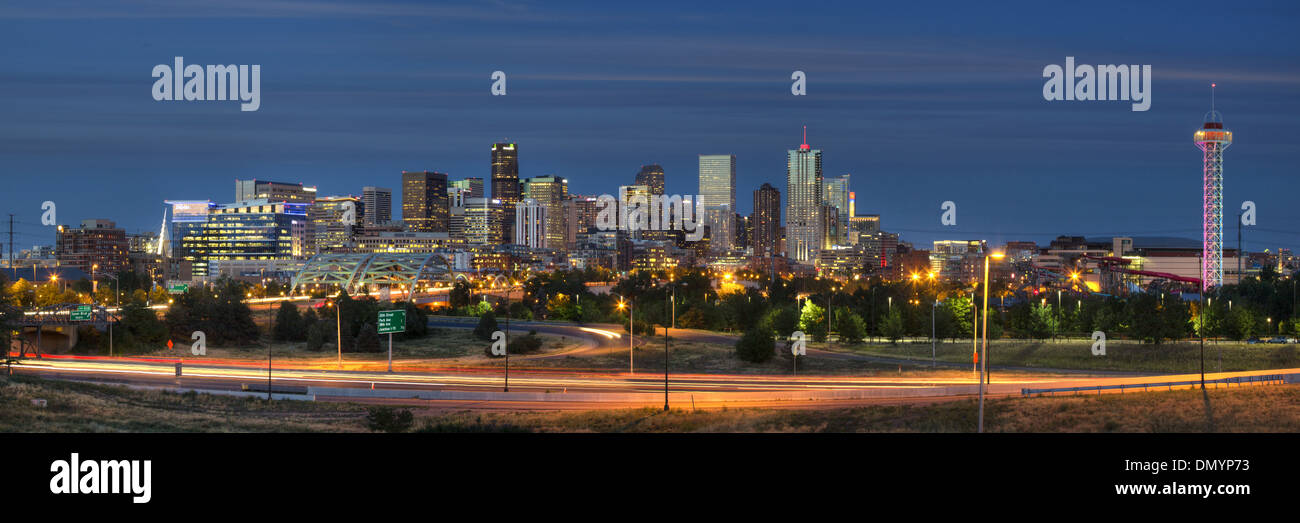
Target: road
558,388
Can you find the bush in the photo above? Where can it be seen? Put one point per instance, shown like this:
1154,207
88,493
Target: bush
368,339
487,324
756,346
315,336
388,419
527,344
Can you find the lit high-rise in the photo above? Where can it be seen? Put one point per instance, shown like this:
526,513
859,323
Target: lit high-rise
804,191
505,181
425,207
718,196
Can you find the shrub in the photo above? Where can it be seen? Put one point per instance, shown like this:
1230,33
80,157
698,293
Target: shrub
487,324
388,419
756,346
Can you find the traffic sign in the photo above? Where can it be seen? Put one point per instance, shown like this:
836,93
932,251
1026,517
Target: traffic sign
179,289
81,313
392,321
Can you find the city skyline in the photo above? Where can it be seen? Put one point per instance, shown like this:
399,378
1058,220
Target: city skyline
880,106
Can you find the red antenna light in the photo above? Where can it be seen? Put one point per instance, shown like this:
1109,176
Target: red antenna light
805,146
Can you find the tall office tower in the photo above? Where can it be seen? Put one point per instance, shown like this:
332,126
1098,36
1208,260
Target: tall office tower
482,222
580,214
473,185
378,202
456,197
718,196
273,191
767,220
629,220
505,181
837,194
550,192
97,243
744,231
652,176
830,226
424,202
803,210
530,224
1213,138
329,227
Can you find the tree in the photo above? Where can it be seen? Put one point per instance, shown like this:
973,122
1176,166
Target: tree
367,339
1043,323
756,346
781,320
316,336
891,326
812,321
959,313
487,324
140,328
849,326
460,295
289,324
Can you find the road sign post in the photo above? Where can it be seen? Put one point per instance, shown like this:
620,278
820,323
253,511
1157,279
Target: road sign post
81,313
391,321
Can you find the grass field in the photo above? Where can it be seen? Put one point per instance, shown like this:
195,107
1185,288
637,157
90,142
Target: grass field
1182,357
79,407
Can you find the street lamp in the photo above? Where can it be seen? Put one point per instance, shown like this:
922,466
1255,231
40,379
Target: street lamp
631,333
984,360
933,343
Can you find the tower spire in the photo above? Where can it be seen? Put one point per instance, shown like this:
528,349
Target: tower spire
1212,86
804,146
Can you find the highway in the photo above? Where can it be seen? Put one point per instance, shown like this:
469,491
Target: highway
482,388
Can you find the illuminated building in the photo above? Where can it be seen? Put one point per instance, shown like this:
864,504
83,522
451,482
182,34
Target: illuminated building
505,182
530,224
378,203
958,260
424,201
473,185
718,196
273,191
328,228
579,217
766,220
248,230
862,228
804,193
652,176
550,192
96,242
482,222
403,242
837,196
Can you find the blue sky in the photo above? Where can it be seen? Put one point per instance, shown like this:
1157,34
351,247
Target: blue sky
920,102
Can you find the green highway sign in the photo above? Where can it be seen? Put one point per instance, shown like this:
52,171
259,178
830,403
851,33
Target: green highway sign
81,313
179,289
392,321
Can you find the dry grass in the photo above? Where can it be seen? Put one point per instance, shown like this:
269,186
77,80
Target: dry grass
80,407
1121,355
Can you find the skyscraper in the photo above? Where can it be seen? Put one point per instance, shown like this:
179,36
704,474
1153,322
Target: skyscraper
718,196
530,224
328,228
804,193
473,186
424,201
837,195
550,192
505,181
378,202
652,176
767,220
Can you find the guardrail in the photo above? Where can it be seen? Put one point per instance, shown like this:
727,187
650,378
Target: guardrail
1269,379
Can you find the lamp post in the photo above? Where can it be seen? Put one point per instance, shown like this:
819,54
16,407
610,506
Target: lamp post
933,344
631,332
984,360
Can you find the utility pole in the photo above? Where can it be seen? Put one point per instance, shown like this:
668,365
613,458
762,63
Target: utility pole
11,251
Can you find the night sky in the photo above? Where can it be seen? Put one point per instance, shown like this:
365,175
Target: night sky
920,102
